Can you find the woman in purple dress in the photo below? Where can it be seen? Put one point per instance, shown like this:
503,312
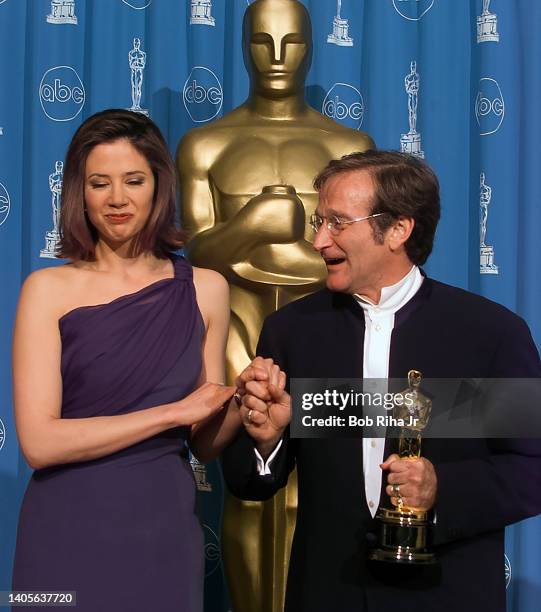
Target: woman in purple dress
118,366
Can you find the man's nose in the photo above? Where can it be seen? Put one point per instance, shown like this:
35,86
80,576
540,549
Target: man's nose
323,238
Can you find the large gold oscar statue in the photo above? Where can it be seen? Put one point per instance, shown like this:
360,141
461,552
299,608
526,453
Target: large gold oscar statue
246,194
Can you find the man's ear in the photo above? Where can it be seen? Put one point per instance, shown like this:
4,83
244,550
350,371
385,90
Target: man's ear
398,234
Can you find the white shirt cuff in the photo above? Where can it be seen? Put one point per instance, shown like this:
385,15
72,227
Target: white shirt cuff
263,468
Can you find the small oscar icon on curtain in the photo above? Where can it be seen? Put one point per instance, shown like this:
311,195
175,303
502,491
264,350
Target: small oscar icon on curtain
200,475
52,237
201,13
340,29
487,25
411,142
62,11
403,531
137,60
487,265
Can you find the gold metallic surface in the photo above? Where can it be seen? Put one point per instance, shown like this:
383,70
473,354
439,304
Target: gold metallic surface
403,531
246,196
409,444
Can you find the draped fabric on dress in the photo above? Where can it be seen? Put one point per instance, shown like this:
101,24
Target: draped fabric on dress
104,370
122,530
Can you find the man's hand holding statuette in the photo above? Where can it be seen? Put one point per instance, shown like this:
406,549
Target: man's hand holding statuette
414,479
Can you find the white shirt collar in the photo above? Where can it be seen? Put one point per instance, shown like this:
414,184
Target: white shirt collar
393,297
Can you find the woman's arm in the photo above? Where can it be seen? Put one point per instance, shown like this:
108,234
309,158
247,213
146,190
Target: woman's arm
209,438
46,439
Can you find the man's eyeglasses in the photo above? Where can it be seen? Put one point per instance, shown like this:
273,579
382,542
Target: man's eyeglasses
334,224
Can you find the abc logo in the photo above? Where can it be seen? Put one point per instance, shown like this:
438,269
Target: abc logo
202,94
507,571
489,106
138,5
2,434
5,206
413,10
344,103
212,551
61,93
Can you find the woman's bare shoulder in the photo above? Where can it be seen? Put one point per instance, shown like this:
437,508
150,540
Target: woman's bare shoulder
53,277
209,280
212,292
50,287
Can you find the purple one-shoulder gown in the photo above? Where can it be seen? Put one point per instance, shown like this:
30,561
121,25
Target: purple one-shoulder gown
122,530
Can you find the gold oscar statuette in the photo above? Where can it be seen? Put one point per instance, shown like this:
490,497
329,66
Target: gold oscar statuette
246,195
403,531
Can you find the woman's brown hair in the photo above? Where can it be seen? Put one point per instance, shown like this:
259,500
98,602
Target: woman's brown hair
160,234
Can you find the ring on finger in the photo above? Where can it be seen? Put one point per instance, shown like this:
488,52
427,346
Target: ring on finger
250,415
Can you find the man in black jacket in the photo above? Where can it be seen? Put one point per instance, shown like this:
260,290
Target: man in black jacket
380,317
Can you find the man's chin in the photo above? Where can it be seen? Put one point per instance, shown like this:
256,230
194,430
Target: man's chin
335,284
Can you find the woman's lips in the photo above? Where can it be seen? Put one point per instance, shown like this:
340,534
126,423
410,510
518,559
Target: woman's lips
120,218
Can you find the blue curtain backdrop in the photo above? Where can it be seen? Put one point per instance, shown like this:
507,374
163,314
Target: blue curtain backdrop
475,118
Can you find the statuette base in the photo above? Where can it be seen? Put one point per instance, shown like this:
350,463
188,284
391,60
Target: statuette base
61,20
487,261
411,143
403,538
138,109
487,28
203,21
51,242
